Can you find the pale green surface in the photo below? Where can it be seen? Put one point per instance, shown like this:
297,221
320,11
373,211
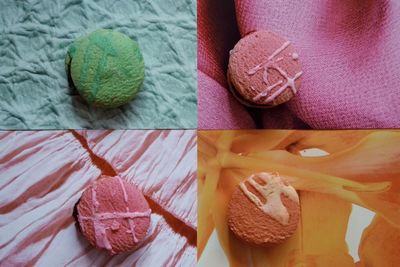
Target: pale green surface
35,36
106,68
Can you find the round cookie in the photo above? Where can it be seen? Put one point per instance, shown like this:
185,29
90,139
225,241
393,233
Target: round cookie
264,70
113,214
263,210
106,68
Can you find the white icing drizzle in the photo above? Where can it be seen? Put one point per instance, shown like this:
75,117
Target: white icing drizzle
271,191
290,82
272,64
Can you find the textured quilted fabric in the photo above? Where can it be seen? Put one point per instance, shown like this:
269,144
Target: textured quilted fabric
35,35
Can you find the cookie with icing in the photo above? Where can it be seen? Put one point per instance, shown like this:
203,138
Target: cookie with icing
106,68
113,214
264,210
264,70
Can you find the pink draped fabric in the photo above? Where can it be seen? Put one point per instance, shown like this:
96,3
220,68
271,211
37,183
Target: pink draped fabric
350,51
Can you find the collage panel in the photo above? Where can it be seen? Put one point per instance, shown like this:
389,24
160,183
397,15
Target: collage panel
89,198
298,64
298,198
180,133
98,64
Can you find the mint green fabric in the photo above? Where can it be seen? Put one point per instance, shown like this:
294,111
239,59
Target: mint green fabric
35,36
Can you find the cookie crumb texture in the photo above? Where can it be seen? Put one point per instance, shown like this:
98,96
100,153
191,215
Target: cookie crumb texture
264,70
113,215
106,68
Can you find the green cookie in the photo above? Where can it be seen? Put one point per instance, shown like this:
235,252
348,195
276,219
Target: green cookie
106,68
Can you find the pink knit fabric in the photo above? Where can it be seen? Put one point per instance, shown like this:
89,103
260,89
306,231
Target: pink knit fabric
350,52
229,115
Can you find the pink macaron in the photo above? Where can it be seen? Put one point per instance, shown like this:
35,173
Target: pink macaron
113,215
264,70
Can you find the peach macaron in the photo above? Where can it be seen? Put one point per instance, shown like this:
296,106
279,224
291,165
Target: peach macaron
264,70
264,210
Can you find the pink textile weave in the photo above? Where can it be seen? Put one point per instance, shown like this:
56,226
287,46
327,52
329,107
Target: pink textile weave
350,51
